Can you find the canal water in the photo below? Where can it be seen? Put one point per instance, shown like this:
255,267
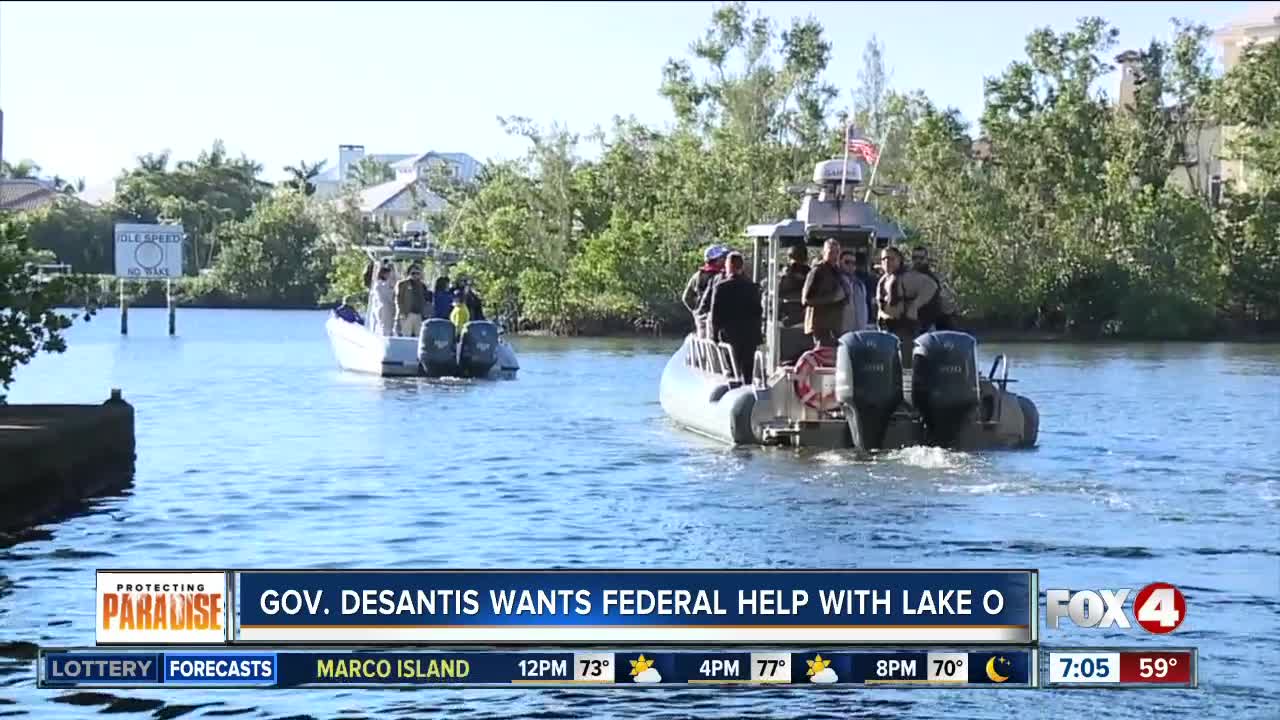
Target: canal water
1156,462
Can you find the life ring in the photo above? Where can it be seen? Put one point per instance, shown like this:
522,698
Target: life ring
808,362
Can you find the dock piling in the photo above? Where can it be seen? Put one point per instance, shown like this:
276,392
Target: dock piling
124,311
173,311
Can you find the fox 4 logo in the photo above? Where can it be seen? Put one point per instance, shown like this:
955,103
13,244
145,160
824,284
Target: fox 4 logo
1159,608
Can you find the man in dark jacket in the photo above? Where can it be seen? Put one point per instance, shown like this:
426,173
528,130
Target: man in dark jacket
862,269
736,315
791,285
824,298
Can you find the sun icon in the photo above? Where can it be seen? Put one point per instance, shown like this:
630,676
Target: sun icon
639,666
817,665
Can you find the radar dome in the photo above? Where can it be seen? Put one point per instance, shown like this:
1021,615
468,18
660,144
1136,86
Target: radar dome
829,171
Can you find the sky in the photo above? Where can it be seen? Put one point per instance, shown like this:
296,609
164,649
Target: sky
87,87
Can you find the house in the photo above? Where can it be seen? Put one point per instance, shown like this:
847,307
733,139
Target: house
329,183
31,193
395,202
1206,162
1261,24
18,194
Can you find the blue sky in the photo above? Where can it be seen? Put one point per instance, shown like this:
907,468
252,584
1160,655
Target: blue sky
86,87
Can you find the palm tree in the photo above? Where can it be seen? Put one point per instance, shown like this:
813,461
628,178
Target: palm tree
67,188
369,171
302,175
23,169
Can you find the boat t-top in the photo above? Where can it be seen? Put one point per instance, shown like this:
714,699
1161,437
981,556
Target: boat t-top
480,350
865,400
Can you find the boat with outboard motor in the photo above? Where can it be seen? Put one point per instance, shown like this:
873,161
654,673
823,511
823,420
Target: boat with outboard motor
856,394
481,350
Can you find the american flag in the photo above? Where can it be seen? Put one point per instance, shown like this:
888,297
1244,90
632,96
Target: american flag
861,147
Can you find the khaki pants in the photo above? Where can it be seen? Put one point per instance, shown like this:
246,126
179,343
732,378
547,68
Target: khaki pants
410,325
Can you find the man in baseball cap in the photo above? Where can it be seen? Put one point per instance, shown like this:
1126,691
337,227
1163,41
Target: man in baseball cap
700,283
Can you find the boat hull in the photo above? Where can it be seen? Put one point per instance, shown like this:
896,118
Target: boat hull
358,350
707,404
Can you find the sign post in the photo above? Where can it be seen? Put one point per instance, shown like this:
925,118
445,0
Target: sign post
147,252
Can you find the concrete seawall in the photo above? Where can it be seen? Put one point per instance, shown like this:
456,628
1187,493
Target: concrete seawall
54,457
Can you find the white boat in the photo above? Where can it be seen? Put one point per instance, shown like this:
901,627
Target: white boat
480,350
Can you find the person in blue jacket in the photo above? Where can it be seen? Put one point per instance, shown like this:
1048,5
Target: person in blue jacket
442,302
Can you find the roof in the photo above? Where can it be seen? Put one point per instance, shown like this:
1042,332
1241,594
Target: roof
1260,14
377,196
25,194
331,174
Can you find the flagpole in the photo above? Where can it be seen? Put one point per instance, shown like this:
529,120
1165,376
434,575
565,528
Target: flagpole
884,145
844,169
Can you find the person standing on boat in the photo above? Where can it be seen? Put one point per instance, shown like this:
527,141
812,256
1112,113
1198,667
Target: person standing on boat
442,298
411,297
891,303
736,315
382,301
459,316
855,310
791,286
824,298
863,271
700,284
475,306
939,311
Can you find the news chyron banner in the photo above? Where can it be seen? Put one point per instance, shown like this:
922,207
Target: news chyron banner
637,606
560,607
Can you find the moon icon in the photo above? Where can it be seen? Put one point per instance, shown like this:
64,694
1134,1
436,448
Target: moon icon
991,671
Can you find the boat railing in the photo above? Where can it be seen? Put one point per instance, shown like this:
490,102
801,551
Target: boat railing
714,357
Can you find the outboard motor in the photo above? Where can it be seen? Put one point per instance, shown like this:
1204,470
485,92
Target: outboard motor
437,348
478,350
869,384
944,383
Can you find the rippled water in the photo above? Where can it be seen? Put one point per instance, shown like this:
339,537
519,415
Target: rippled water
1156,462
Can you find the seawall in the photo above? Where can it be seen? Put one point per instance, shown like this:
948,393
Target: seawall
54,457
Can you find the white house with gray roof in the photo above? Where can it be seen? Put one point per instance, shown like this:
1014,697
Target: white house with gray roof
406,166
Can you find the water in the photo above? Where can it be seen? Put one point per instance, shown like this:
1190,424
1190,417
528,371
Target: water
1156,462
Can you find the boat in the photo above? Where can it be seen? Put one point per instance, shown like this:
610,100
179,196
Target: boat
864,399
480,351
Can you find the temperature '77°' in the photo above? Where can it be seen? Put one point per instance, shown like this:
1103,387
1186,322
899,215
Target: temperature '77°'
769,668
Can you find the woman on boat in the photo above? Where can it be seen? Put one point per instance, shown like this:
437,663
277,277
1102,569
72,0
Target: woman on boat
382,301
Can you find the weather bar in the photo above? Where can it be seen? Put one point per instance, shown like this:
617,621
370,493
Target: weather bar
1122,667
88,668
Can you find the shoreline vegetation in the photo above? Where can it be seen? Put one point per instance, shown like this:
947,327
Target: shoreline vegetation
1065,210
152,296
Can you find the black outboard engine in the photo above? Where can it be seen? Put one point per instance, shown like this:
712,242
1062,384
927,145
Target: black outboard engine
869,384
478,350
944,383
437,352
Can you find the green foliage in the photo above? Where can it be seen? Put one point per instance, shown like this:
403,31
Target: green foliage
274,254
29,320
301,175
201,194
1058,207
367,172
77,233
